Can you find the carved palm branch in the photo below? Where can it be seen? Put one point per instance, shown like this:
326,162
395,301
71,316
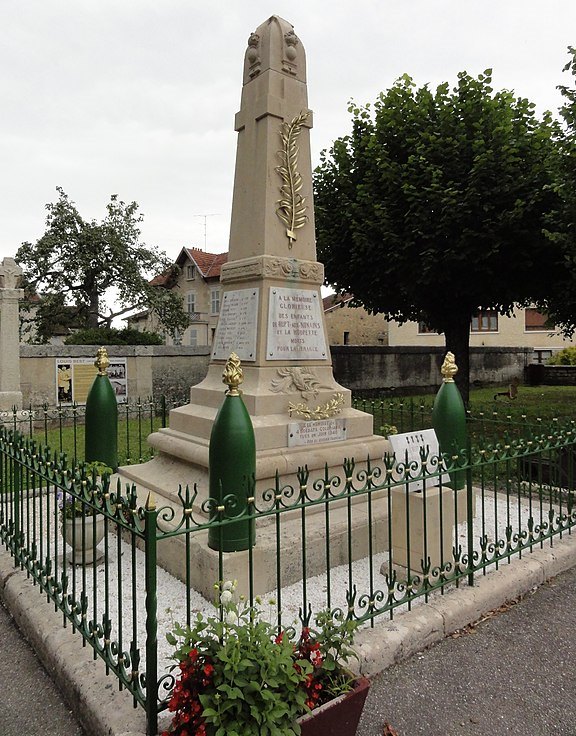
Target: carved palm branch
292,205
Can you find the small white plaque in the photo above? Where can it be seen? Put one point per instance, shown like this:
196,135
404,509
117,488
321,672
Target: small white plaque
406,448
236,329
315,432
295,327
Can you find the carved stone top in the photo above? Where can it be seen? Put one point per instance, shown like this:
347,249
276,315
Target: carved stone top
275,46
10,273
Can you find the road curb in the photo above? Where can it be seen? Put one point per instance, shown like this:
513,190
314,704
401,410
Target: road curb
392,641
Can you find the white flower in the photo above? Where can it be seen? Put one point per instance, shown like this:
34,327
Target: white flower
230,617
228,585
225,597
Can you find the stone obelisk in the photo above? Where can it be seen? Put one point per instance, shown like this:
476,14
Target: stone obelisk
271,314
10,295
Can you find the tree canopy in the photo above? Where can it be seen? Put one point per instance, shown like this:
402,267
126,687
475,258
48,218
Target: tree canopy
560,303
76,263
434,206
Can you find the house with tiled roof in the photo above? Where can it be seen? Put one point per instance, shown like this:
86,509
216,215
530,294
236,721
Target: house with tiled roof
198,282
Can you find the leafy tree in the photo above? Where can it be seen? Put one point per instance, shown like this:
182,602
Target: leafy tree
561,302
75,264
434,206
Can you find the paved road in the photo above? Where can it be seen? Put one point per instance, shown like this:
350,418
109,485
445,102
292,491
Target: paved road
515,673
30,703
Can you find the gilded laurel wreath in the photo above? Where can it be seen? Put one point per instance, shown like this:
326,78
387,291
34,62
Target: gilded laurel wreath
292,205
327,410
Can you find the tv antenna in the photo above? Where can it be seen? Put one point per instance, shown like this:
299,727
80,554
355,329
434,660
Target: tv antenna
206,216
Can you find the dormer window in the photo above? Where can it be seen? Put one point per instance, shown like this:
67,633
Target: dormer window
190,272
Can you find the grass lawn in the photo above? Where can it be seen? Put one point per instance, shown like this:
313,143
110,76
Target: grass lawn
132,434
494,417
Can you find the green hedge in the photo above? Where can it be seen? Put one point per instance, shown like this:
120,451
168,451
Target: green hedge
112,336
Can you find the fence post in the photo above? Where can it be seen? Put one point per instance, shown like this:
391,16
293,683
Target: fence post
150,516
101,443
470,500
449,420
16,493
232,466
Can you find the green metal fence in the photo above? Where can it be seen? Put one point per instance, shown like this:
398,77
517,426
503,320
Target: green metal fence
62,427
336,540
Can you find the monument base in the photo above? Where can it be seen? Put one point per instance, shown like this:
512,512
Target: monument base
277,559
422,528
10,400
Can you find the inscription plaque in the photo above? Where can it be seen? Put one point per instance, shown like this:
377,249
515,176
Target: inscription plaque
236,329
406,448
313,433
295,328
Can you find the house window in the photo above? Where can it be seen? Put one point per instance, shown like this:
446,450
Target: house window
193,337
535,321
215,301
346,338
191,302
423,329
190,273
177,337
485,320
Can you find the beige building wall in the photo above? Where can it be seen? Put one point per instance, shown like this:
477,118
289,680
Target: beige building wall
511,332
347,325
200,298
203,316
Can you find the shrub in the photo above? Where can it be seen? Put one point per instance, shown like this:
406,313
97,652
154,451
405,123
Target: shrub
112,336
563,357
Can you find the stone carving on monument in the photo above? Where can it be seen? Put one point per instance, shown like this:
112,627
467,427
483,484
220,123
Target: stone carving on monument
271,314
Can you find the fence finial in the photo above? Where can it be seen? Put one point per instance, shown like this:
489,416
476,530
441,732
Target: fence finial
102,361
449,368
233,375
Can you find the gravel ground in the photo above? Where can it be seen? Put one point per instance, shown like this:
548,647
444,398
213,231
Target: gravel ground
172,592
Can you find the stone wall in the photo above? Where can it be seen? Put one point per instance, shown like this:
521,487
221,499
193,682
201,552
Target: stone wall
373,369
152,369
558,375
171,370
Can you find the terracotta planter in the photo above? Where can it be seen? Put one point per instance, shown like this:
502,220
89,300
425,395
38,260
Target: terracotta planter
338,717
80,536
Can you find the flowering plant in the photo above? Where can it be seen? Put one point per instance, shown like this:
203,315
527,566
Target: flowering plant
72,507
240,676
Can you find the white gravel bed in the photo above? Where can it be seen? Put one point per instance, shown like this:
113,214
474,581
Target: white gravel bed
171,596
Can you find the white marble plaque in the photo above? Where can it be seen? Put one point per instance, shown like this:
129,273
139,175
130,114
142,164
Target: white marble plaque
236,329
406,448
295,328
315,432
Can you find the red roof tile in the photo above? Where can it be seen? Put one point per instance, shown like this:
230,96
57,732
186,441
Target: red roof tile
209,264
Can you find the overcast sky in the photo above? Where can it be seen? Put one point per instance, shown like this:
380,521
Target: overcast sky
137,97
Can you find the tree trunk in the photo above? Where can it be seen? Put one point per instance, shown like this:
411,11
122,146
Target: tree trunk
458,342
94,309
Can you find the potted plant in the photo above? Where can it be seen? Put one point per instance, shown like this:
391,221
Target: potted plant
82,527
240,676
